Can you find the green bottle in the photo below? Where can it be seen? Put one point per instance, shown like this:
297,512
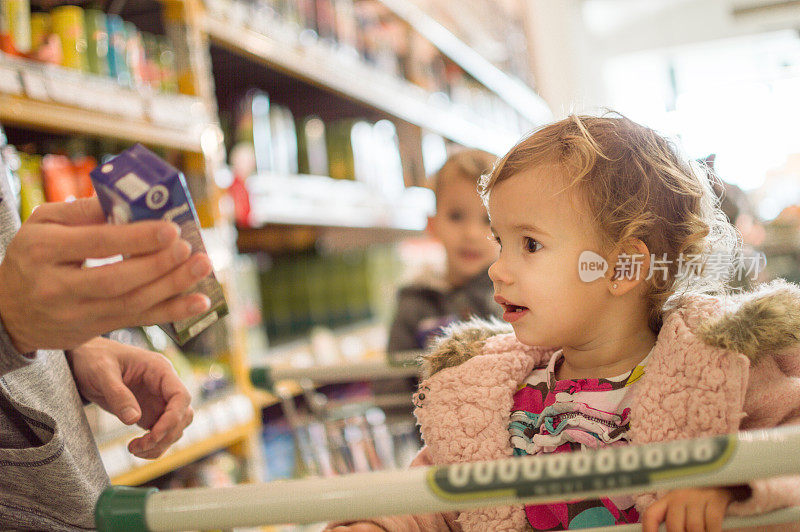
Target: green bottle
96,41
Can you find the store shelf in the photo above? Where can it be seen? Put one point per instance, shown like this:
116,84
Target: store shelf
217,425
54,117
264,399
185,456
56,99
350,78
326,202
287,378
383,401
513,91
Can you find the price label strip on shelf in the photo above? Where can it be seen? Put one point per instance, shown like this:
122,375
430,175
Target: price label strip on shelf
10,82
716,461
64,87
176,111
35,85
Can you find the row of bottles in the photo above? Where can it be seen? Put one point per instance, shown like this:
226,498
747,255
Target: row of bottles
366,31
89,40
270,141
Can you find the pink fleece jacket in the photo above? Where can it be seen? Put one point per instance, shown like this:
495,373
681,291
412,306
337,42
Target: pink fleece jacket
718,366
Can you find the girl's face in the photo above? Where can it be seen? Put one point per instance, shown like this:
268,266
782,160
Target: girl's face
542,231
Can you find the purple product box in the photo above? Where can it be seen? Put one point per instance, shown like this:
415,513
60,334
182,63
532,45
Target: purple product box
138,185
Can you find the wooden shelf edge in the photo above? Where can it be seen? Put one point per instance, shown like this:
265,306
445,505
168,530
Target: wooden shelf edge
264,399
59,118
182,457
395,97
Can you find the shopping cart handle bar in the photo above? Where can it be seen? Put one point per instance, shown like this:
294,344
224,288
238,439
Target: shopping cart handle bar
122,508
716,461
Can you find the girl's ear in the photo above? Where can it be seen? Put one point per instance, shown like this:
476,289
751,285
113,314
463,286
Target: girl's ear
629,266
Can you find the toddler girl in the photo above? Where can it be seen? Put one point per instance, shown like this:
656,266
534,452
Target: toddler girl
612,272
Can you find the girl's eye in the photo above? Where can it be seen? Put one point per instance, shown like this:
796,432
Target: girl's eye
531,245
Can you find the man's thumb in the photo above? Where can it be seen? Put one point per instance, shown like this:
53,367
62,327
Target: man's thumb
123,404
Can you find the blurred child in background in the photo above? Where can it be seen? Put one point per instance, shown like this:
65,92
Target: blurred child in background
435,298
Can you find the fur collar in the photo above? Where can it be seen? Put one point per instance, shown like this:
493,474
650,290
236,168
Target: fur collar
761,322
758,323
460,342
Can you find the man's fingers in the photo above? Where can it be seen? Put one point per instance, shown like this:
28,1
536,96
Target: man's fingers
120,400
119,278
75,244
153,443
175,418
167,430
172,390
153,451
167,389
163,300
84,211
144,447
154,304
174,309
124,406
177,415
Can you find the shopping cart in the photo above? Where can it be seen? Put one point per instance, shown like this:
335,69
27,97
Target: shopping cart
353,434
716,461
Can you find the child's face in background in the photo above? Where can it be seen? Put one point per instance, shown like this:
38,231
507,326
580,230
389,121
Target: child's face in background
461,224
543,230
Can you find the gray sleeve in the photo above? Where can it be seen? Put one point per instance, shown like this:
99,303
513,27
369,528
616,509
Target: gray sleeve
10,358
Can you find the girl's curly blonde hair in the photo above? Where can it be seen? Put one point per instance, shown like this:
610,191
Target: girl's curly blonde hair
636,186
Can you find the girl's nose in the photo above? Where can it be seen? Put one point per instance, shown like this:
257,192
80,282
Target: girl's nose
498,273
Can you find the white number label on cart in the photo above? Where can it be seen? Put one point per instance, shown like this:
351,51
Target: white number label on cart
563,474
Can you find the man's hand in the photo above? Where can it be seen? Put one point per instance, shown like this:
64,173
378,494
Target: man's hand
137,386
692,510
48,300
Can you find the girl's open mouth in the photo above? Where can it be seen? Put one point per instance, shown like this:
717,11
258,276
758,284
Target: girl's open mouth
513,312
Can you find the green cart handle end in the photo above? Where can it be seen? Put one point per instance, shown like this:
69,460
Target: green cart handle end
261,377
122,508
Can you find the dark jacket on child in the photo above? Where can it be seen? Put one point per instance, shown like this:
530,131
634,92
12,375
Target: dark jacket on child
429,303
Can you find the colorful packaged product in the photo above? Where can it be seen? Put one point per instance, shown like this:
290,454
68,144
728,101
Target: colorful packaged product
16,16
40,29
82,168
97,41
139,185
31,193
59,178
67,23
117,50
